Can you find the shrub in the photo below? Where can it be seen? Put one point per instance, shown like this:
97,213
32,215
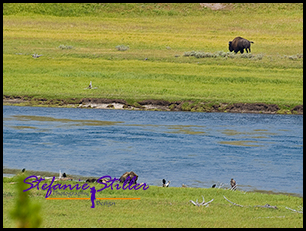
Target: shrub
246,55
65,47
122,47
137,105
186,107
259,56
172,106
222,54
292,57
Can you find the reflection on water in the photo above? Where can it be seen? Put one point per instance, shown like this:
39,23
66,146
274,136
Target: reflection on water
242,143
51,119
253,136
186,129
254,132
262,152
23,127
62,122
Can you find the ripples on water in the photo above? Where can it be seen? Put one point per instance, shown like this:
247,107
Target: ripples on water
262,152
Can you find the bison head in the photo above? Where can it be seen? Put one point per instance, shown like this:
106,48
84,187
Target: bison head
230,46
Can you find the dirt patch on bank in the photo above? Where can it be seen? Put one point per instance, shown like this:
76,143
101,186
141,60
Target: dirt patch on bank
253,108
298,109
158,105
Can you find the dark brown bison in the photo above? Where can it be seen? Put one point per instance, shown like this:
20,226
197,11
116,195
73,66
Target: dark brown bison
130,174
91,180
239,44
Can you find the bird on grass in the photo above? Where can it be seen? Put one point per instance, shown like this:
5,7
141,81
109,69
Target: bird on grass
23,170
90,86
63,176
233,184
164,183
36,56
214,185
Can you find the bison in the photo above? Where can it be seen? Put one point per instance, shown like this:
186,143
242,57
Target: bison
91,180
128,174
239,44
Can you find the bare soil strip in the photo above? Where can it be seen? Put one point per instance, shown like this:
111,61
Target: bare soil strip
158,105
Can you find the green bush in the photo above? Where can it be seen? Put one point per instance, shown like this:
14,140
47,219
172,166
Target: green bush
186,106
65,47
222,54
122,47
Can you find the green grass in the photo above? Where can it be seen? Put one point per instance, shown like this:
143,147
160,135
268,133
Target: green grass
160,33
160,207
67,77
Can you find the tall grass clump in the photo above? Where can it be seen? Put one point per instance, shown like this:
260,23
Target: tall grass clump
25,212
122,47
222,54
63,47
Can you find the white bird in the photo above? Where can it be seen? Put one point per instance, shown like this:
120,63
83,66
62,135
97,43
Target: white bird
36,56
90,86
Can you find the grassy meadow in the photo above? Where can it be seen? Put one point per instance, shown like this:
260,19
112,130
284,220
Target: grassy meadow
79,44
157,207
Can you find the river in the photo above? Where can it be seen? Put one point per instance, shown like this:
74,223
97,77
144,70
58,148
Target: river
261,152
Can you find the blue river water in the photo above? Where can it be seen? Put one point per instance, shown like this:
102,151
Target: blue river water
261,152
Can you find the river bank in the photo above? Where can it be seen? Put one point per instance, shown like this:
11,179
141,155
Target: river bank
10,173
159,207
155,105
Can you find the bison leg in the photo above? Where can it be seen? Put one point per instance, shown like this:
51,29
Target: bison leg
241,51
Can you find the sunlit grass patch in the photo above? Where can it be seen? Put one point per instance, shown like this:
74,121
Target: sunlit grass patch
168,57
139,79
161,207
